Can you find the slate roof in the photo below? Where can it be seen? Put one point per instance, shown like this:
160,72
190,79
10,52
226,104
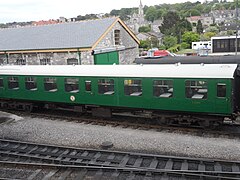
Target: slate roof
56,36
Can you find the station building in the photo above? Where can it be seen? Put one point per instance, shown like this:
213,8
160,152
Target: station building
102,41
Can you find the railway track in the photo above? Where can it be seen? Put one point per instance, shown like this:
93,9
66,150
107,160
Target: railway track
99,161
134,122
31,171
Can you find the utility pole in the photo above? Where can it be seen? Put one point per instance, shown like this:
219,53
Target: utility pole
236,41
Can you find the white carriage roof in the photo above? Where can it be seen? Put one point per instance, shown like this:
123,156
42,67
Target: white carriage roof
164,71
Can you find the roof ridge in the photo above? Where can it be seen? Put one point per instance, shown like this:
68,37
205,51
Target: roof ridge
75,22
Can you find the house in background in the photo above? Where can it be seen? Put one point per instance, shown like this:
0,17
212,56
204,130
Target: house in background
102,41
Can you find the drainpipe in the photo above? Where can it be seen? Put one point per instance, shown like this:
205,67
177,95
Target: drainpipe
79,56
6,55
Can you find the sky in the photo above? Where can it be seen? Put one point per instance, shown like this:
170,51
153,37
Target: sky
35,10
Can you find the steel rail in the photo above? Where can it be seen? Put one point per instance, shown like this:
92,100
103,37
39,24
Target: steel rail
50,154
59,170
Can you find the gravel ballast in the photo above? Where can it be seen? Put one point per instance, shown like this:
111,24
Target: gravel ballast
123,139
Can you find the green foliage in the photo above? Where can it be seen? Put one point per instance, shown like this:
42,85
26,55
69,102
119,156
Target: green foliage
169,41
199,27
151,14
144,29
213,29
170,23
145,44
184,45
189,37
194,12
175,48
207,36
149,43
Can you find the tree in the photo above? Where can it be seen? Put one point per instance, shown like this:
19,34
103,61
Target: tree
189,37
151,14
169,41
144,29
170,22
199,27
207,36
213,29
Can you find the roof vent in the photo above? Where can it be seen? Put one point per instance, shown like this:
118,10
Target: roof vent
225,66
202,64
177,64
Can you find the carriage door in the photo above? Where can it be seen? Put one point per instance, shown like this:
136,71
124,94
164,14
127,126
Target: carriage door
222,99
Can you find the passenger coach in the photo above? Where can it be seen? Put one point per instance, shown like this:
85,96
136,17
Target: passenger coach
173,93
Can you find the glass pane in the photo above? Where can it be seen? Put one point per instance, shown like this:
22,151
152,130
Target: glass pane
13,83
106,86
132,87
1,82
221,90
31,83
88,86
163,88
50,84
196,89
71,85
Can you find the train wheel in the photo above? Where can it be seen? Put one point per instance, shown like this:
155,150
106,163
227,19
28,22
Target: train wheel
28,107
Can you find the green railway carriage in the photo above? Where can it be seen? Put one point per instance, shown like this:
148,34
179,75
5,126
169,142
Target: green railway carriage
208,89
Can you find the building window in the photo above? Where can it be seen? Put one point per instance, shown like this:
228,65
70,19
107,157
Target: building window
133,87
50,84
72,61
106,86
13,83
45,61
196,89
31,83
117,36
20,62
163,88
221,90
88,86
1,83
71,85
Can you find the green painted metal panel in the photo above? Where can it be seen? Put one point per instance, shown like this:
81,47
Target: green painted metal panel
176,103
106,58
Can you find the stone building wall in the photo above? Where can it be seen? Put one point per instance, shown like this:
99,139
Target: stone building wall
126,55
131,51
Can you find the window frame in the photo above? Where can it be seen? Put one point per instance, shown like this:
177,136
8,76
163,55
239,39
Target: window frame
45,61
108,86
221,84
1,82
197,91
50,80
73,83
117,36
131,87
165,89
13,79
31,80
88,85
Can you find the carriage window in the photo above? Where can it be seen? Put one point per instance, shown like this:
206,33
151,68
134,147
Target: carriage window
1,82
221,90
132,87
106,86
50,84
13,83
71,85
31,83
88,86
163,88
196,89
